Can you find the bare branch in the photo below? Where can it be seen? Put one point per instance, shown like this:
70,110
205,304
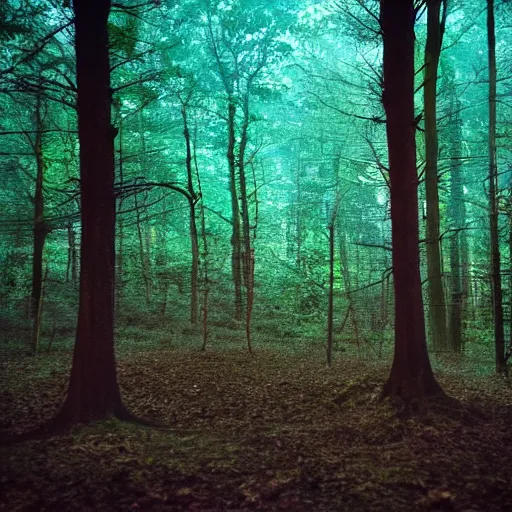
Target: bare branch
343,112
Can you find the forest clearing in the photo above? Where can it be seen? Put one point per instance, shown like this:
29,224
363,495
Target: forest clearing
278,430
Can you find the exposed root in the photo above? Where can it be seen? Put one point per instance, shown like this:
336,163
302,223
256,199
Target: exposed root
413,401
412,396
62,423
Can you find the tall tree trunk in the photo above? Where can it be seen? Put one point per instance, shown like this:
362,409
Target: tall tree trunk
411,374
437,308
93,391
36,299
119,284
236,241
194,271
146,228
344,267
205,254
358,261
143,257
298,224
510,274
206,278
330,306
194,241
455,325
248,259
142,230
71,269
228,78
499,335
457,219
466,272
384,296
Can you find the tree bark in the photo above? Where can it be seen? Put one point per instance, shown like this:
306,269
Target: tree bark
236,242
411,375
144,259
456,213
194,240
142,230
455,325
298,228
71,270
499,335
248,259
93,391
40,231
119,284
194,271
205,253
330,306
437,307
510,274
466,274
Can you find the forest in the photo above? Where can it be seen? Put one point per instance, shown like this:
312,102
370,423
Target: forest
255,255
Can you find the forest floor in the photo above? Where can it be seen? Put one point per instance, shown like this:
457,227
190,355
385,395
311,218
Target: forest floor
275,431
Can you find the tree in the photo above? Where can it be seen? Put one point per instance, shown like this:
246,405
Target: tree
437,308
23,75
497,300
302,96
93,391
411,374
40,230
331,218
228,77
192,199
245,41
457,216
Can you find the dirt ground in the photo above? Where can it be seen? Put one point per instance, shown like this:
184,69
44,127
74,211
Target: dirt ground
276,431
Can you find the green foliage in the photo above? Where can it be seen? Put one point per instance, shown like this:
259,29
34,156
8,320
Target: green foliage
310,76
123,33
9,30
